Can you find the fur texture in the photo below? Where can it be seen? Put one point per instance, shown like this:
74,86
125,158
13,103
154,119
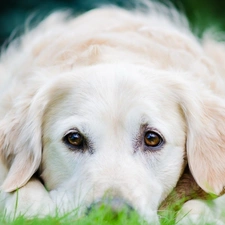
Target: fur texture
112,76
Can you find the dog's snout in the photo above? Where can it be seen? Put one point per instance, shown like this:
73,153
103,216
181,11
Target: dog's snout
115,205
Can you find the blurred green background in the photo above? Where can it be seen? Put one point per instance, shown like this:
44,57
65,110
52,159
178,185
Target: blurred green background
13,13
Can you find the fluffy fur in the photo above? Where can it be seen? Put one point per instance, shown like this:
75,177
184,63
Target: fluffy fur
112,75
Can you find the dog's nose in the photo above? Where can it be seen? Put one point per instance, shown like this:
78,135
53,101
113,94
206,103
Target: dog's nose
115,205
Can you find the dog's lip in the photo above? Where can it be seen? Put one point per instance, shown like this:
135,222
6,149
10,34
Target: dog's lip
115,204
118,204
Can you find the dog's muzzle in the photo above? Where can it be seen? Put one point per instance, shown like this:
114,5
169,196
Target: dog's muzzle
115,205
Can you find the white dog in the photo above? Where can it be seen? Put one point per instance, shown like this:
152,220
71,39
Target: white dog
113,104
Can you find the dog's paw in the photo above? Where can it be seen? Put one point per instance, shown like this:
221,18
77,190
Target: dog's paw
17,204
197,212
29,201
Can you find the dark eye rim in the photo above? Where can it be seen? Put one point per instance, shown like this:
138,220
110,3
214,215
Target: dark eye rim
157,147
80,147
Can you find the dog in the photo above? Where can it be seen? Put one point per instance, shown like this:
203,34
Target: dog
113,105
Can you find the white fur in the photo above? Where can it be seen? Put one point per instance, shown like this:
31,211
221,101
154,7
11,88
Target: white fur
109,73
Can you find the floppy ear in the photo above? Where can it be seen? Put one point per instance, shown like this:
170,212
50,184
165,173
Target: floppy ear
205,118
20,138
21,131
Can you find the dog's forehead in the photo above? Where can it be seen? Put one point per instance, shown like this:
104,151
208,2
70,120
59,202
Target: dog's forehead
116,90
116,95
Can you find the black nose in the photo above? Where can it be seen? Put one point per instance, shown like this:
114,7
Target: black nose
115,205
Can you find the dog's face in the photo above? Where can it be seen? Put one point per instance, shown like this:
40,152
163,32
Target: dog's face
108,135
115,130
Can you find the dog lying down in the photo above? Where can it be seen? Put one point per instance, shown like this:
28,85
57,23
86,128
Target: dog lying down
113,105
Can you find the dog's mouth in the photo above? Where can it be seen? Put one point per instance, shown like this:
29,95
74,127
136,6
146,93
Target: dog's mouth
115,208
115,205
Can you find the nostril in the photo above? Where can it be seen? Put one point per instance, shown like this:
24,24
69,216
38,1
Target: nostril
115,205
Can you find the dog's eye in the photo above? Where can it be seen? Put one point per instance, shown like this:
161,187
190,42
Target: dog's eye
74,139
152,139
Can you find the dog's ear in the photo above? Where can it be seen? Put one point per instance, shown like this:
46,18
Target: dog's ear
205,117
20,138
21,130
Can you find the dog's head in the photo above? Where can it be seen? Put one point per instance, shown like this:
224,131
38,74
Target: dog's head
122,131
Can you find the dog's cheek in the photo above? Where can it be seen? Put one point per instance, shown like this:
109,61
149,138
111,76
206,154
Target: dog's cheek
170,168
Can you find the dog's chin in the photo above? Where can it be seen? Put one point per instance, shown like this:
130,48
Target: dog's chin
67,203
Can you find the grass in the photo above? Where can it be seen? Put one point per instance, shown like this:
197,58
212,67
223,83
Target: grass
101,216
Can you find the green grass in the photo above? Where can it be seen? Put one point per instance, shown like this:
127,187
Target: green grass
102,216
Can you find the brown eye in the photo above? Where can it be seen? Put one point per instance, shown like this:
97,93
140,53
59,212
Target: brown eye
152,139
74,140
